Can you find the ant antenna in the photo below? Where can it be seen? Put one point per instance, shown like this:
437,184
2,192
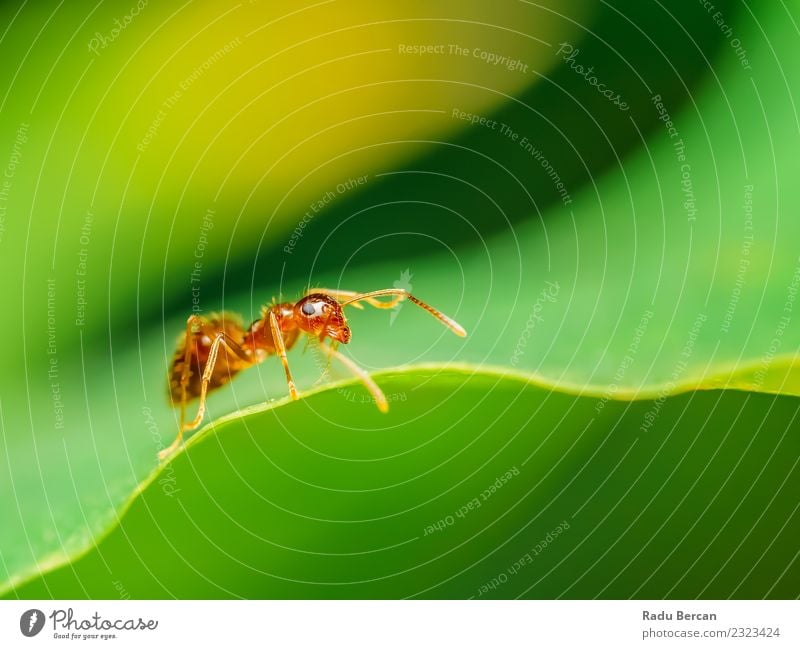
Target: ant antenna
400,294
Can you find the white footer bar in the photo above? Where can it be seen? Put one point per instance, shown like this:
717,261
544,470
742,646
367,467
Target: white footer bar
406,624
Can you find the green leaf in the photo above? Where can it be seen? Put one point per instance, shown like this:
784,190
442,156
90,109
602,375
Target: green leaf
623,248
474,485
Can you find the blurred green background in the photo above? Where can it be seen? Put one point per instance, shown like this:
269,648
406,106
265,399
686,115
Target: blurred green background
603,193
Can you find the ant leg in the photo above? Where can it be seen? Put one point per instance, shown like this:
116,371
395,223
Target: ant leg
280,347
366,379
208,371
187,359
400,294
220,339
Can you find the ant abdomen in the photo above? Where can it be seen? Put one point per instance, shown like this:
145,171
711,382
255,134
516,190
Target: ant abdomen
201,332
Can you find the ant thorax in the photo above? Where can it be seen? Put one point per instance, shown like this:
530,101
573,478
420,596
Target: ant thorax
259,340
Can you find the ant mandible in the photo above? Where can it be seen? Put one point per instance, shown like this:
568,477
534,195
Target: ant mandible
213,350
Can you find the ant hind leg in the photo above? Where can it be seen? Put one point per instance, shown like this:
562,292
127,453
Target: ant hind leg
191,322
221,338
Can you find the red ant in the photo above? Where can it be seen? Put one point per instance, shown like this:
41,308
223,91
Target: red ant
198,366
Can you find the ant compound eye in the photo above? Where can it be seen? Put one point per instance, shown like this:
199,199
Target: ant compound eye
308,308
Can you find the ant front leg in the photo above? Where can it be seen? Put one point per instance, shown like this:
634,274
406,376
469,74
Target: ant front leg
280,348
361,373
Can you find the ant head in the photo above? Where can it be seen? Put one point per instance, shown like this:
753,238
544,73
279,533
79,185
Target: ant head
322,316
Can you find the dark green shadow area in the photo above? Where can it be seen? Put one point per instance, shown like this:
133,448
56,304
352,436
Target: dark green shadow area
542,494
487,179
